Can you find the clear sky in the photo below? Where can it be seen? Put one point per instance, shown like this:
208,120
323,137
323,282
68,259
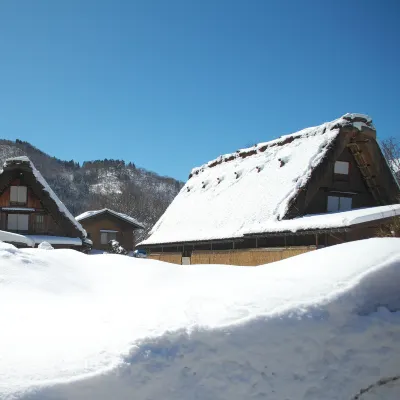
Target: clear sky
171,84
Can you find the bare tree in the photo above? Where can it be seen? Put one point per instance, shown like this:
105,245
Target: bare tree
391,151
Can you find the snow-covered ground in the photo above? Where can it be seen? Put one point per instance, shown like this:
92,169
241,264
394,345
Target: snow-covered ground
320,326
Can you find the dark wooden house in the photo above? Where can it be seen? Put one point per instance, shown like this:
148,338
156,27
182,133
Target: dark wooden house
33,212
105,225
317,187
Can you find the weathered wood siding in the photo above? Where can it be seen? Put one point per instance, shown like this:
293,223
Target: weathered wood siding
330,184
50,226
174,258
32,200
246,257
94,225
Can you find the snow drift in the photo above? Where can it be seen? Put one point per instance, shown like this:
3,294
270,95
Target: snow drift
323,325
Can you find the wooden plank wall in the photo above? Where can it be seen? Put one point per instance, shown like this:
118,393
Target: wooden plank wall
174,258
246,257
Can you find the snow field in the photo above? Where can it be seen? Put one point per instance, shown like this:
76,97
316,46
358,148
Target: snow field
322,325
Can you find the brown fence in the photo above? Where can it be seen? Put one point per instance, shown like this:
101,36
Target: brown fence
247,257
174,258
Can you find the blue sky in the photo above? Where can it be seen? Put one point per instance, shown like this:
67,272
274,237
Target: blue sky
171,84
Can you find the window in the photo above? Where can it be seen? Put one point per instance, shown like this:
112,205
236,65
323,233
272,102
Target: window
39,222
337,203
106,236
341,168
17,222
18,194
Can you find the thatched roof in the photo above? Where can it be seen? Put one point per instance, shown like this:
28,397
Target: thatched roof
230,194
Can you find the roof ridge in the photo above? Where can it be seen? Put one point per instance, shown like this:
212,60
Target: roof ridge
346,119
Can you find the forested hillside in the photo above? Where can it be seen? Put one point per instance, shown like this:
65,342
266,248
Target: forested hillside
101,183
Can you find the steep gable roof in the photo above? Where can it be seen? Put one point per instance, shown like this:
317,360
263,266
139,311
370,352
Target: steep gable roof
235,191
124,217
13,166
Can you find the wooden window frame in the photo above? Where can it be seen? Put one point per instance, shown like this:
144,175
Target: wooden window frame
339,201
39,227
107,233
339,176
18,188
17,215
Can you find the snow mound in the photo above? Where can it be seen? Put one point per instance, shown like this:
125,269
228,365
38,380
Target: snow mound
323,325
45,246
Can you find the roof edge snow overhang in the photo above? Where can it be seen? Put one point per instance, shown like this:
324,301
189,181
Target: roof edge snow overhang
191,242
247,236
113,213
56,240
299,232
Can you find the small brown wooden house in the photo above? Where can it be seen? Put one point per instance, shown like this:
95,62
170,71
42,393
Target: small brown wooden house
30,208
317,187
105,225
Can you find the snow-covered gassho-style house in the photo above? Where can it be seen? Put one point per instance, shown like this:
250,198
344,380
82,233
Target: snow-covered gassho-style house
317,187
31,213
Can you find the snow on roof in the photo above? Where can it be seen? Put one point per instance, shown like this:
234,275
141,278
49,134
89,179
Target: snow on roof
62,240
298,325
395,164
238,190
10,237
326,221
25,209
48,189
127,218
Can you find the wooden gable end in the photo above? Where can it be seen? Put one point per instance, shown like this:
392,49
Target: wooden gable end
350,186
368,183
33,200
38,203
105,221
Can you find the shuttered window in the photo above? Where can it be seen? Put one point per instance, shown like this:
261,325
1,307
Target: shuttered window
18,194
39,222
17,222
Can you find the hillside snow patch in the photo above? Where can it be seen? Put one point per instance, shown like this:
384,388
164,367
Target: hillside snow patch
320,326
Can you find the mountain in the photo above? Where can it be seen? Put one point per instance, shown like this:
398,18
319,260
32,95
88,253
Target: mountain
101,183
